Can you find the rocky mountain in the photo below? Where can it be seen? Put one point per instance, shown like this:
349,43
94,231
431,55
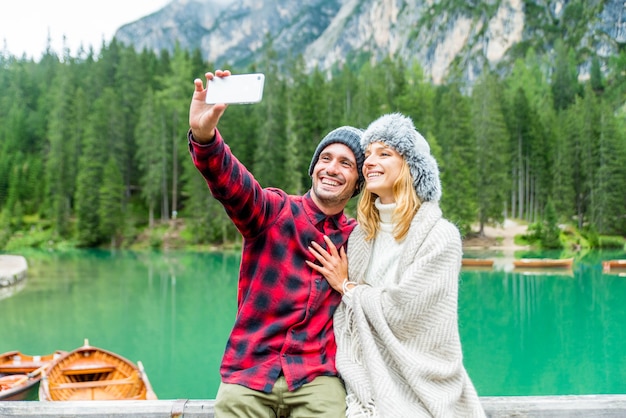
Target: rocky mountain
439,34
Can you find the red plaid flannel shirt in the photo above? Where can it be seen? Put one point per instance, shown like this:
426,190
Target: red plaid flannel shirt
285,309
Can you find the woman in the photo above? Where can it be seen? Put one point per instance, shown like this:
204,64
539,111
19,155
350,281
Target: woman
398,345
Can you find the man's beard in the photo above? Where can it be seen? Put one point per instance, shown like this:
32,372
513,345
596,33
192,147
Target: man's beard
332,199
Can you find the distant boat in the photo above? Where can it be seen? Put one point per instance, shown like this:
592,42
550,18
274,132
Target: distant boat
91,373
476,262
20,374
609,265
543,263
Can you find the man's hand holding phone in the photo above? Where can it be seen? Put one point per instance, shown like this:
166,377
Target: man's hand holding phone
235,89
203,117
208,104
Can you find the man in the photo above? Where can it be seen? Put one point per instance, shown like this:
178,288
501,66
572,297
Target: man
280,357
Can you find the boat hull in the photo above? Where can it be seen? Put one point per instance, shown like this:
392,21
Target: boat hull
20,374
91,373
476,262
543,263
15,362
19,387
613,265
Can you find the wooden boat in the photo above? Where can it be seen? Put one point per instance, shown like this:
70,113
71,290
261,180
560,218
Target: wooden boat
19,387
476,262
20,374
609,265
91,373
15,362
543,263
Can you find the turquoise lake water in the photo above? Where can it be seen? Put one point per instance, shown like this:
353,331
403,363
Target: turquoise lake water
549,333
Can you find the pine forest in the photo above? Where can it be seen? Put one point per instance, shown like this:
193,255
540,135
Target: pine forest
94,153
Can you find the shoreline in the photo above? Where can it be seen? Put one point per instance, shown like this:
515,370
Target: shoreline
497,238
12,269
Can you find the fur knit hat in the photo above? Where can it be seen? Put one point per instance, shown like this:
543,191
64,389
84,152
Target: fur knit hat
350,137
398,131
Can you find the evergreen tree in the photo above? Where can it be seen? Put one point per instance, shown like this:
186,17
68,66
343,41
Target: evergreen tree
550,231
15,185
372,96
455,135
308,111
33,192
205,217
174,94
577,141
491,148
519,124
608,203
616,81
151,154
595,76
529,115
62,152
565,78
341,104
563,193
270,156
87,199
13,142
392,76
111,196
272,153
130,87
417,100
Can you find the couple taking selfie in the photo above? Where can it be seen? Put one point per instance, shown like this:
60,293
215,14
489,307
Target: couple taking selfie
339,317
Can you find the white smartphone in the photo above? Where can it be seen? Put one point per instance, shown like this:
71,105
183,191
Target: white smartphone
238,88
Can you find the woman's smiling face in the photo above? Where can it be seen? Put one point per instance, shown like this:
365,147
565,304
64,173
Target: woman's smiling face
381,169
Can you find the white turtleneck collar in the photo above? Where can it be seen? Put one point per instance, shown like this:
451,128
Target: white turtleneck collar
385,210
386,251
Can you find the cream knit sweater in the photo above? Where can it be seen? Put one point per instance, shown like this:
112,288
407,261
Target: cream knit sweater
384,266
398,345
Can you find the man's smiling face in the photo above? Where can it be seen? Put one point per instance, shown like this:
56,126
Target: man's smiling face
335,178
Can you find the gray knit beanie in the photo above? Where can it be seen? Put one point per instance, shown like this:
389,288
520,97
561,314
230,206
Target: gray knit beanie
350,137
398,131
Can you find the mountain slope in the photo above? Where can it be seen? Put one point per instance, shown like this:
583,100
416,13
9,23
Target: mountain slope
438,34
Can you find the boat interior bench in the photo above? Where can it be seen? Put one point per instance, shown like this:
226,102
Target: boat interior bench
88,366
93,384
21,367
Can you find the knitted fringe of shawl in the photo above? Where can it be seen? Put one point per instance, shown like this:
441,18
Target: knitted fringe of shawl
353,338
356,410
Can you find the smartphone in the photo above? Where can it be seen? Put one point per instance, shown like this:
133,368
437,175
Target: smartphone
238,88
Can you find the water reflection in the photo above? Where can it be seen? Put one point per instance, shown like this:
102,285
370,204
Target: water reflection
544,332
8,291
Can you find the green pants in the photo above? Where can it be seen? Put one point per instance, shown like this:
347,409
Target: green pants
324,397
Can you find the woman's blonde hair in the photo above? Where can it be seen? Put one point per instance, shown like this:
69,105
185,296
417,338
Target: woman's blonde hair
407,205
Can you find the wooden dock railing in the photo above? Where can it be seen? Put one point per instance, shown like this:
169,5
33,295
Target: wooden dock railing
587,406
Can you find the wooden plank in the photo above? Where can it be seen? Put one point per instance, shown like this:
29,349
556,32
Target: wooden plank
109,409
570,406
579,406
86,369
